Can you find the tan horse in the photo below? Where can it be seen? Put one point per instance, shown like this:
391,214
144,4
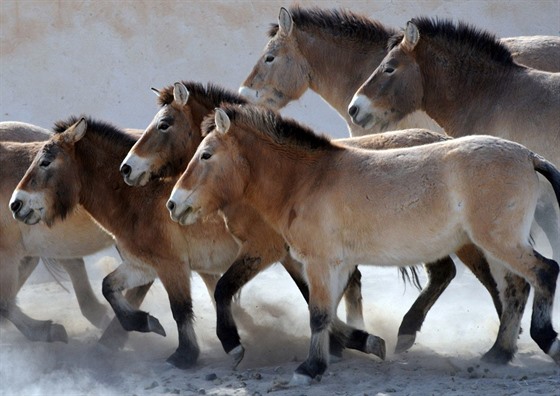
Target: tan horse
338,206
169,143
21,246
472,85
332,52
67,172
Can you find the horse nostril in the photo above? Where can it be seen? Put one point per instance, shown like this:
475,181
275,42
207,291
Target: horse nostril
353,111
16,205
170,205
125,170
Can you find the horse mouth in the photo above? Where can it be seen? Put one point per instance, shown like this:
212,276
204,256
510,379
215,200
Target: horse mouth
141,180
365,122
31,217
189,216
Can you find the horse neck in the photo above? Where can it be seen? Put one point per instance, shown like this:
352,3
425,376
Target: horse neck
104,194
337,78
290,174
460,90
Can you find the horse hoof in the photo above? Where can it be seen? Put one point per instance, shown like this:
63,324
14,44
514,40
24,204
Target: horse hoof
498,356
58,333
181,361
405,342
237,354
154,326
376,346
300,380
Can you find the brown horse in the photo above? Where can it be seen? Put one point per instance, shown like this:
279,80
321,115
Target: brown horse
75,167
337,206
21,246
169,143
332,52
469,83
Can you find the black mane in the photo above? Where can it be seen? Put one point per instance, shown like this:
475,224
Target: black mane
272,126
339,23
107,131
461,33
211,95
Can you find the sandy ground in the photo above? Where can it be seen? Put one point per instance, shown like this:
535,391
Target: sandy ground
274,329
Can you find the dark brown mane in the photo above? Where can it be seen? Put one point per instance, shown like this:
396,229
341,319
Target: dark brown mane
108,132
338,23
272,126
210,95
462,35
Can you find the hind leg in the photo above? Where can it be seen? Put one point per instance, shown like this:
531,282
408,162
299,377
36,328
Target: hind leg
26,267
514,291
440,275
353,300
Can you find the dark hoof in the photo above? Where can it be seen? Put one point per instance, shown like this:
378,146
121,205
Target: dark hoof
405,342
376,346
182,360
57,333
498,356
237,354
142,322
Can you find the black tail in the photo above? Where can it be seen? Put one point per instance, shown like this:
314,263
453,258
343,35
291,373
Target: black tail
550,172
413,279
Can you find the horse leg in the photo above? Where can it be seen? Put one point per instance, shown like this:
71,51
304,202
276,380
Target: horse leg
514,292
474,259
243,269
353,300
33,330
178,287
115,336
542,274
26,267
322,309
440,275
91,308
127,276
211,282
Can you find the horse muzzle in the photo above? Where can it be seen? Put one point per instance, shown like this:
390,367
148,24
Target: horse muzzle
22,212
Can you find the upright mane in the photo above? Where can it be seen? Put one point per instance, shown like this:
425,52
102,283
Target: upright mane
460,35
271,126
108,132
337,23
210,95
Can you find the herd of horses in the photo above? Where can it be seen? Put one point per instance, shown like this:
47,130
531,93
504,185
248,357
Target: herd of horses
229,187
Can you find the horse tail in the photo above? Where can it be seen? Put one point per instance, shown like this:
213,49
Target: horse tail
549,171
411,277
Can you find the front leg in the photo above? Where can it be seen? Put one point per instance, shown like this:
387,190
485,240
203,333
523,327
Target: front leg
177,283
126,276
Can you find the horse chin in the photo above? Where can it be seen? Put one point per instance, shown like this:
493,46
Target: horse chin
32,217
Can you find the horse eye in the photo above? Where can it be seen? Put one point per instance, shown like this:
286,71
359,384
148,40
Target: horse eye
205,156
388,69
268,59
163,126
44,163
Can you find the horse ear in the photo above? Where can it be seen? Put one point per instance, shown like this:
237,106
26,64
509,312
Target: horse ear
411,36
222,121
180,93
156,91
285,22
76,131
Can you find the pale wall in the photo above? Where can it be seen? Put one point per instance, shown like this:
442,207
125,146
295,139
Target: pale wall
100,58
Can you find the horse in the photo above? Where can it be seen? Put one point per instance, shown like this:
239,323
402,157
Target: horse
74,167
166,147
468,82
299,56
21,246
337,206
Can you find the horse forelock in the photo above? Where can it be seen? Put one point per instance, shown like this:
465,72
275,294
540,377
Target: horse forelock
462,34
210,96
338,23
269,125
